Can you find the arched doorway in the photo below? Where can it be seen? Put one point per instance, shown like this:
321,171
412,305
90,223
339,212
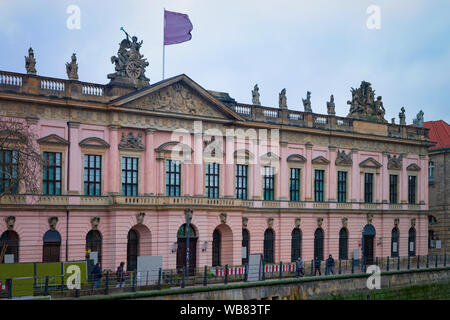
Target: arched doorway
132,250
51,247
94,244
10,239
269,240
343,244
412,242
318,243
394,242
216,244
182,248
245,245
296,244
367,243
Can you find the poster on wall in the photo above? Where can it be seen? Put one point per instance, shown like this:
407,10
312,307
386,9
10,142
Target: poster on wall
411,246
438,244
394,246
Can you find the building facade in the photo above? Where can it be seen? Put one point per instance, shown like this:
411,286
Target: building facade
439,187
127,163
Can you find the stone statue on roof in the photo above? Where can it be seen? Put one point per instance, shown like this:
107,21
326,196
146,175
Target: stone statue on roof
307,102
418,121
331,106
282,99
402,117
30,62
255,96
72,68
363,105
129,63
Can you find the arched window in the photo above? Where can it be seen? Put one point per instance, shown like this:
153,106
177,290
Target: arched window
318,243
412,242
132,250
51,247
10,239
343,244
94,243
217,238
296,244
245,244
394,243
182,248
268,246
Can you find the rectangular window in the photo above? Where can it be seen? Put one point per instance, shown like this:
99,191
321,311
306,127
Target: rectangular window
268,186
294,186
173,178
212,180
51,175
92,175
412,189
342,186
9,171
318,185
393,180
368,187
241,181
129,176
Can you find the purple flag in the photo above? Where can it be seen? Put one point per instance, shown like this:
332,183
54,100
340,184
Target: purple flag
177,27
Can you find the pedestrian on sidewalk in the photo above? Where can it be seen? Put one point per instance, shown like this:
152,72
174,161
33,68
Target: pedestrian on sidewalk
120,276
300,271
317,266
330,265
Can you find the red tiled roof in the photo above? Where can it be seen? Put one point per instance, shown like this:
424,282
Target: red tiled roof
439,133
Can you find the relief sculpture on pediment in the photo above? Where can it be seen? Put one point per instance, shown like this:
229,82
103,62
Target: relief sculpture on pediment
176,99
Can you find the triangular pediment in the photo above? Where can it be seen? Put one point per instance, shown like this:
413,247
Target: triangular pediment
94,142
296,158
53,139
177,95
320,160
413,167
370,163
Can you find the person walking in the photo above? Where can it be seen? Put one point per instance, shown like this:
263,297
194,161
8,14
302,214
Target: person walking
97,274
330,265
120,276
300,271
317,266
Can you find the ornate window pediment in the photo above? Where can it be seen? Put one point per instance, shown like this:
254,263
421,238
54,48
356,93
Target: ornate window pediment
320,160
394,163
243,156
343,159
413,167
297,158
53,139
131,142
270,156
174,148
370,163
94,142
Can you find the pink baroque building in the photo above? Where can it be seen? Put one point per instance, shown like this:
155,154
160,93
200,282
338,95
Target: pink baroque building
127,163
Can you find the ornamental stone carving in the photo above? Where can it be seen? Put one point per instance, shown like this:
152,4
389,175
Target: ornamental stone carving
413,223
307,102
95,221
72,68
30,62
269,223
188,213
343,159
129,63
52,221
130,142
402,117
10,221
223,218
297,222
369,218
396,222
140,217
418,121
394,162
319,222
244,222
344,222
255,96
364,106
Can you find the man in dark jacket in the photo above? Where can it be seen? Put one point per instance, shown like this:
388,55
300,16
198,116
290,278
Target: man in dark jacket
317,266
97,274
120,275
300,267
330,265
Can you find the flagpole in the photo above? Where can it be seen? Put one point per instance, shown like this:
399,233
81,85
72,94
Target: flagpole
164,47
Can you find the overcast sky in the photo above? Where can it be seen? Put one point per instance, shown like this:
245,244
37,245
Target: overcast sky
323,46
